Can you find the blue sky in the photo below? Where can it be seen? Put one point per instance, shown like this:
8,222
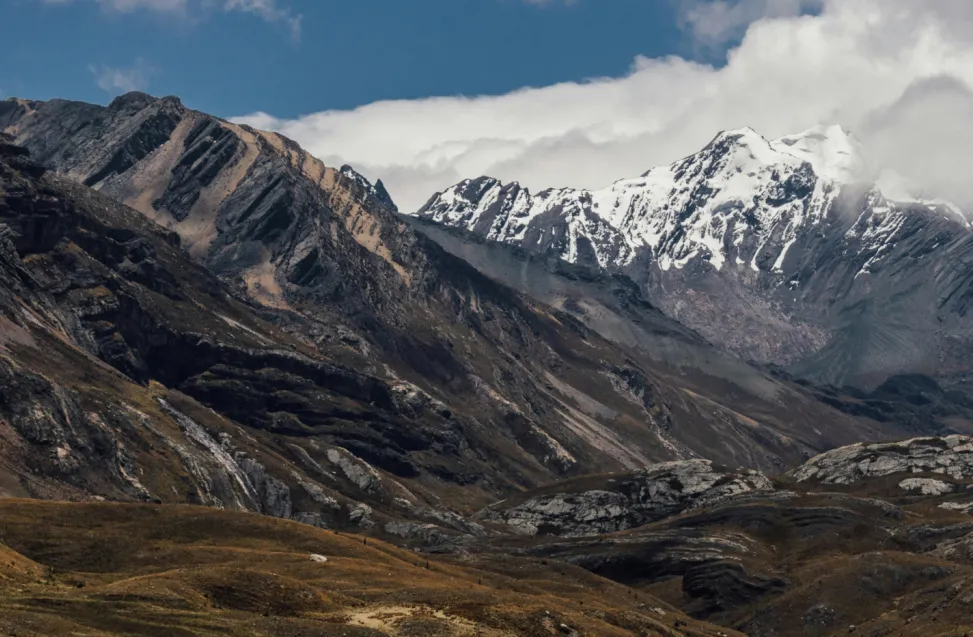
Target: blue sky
550,93
340,54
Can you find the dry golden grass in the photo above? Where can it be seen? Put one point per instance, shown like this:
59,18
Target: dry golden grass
115,569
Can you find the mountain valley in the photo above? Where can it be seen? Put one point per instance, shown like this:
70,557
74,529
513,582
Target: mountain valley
240,393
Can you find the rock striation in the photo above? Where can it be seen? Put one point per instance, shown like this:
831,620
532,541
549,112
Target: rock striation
130,372
626,501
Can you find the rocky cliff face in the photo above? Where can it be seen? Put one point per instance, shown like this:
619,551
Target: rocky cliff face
776,250
530,392
129,372
615,307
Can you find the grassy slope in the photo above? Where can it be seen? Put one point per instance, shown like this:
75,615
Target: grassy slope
110,569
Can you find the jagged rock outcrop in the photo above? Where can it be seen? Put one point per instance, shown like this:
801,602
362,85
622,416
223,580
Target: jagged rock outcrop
951,456
625,501
788,562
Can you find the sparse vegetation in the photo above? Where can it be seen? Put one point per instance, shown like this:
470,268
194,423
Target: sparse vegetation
113,569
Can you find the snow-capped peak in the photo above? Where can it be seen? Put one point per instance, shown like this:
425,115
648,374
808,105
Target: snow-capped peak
742,200
745,136
833,152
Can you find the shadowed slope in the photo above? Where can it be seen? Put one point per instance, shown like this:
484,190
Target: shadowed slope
321,254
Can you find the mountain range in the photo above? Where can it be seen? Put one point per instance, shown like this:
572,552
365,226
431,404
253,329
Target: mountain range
321,256
793,252
636,381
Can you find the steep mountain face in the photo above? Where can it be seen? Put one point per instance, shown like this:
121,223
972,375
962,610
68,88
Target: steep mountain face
615,307
521,394
609,303
129,372
774,249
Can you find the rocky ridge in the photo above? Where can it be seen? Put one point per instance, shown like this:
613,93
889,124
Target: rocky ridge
722,204
596,505
782,251
320,254
113,343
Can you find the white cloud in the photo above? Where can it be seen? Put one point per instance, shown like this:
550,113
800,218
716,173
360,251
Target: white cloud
927,134
716,22
122,80
861,63
268,10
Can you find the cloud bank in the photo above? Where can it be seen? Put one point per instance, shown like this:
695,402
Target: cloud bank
894,72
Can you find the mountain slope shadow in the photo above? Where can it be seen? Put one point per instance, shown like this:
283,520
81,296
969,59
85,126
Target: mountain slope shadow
529,391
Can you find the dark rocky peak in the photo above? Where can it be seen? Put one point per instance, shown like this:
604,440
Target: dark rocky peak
137,101
235,195
384,196
364,186
12,110
108,140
